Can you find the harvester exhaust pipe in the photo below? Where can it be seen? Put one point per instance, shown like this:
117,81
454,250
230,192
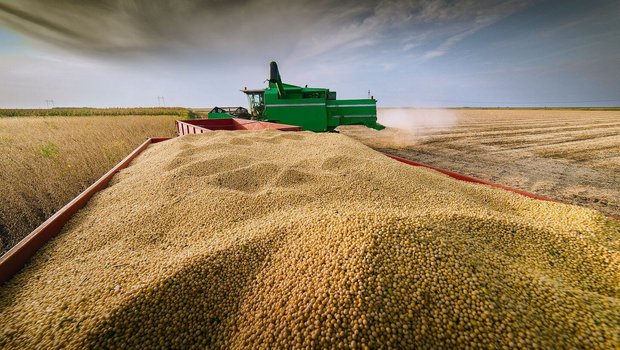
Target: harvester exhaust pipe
274,73
274,77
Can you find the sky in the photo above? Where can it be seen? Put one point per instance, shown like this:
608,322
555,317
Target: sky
424,53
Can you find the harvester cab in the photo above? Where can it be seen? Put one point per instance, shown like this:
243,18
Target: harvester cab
314,109
256,99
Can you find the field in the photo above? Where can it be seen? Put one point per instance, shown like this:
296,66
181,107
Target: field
570,155
183,113
46,161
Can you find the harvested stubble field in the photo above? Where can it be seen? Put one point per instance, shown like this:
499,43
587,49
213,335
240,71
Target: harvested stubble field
569,155
232,240
46,161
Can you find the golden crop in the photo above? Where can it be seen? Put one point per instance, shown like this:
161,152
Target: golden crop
46,161
296,240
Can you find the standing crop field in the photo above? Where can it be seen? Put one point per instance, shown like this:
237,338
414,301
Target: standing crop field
46,161
570,155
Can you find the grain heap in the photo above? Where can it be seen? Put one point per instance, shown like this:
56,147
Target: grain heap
279,240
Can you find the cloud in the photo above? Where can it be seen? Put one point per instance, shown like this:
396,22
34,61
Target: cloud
464,20
102,52
298,29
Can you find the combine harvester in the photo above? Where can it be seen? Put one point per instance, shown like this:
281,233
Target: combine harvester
280,106
313,109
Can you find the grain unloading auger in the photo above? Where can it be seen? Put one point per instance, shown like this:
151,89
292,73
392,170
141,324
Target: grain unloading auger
314,109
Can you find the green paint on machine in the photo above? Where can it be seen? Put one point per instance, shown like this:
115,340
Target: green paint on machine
314,109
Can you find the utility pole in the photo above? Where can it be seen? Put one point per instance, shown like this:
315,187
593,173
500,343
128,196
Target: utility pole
161,102
49,103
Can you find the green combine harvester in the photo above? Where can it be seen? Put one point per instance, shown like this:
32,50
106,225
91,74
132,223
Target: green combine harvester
314,109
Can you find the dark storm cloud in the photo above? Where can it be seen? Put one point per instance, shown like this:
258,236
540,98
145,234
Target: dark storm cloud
298,28
14,14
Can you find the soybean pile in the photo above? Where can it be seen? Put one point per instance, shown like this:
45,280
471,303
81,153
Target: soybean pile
294,240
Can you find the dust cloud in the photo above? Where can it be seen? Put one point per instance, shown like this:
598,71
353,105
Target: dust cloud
404,126
415,121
